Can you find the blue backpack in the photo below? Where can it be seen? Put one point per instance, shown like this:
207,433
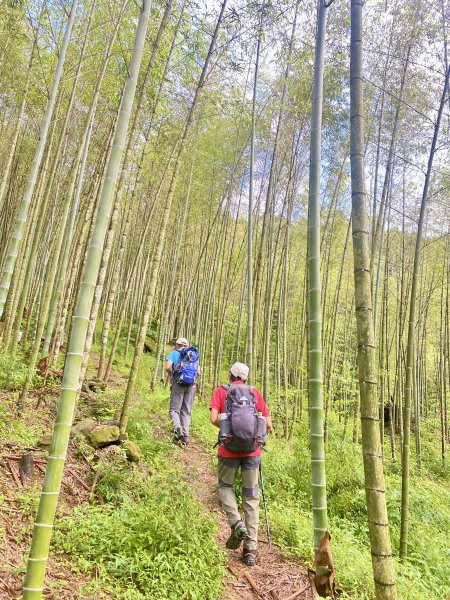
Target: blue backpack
186,370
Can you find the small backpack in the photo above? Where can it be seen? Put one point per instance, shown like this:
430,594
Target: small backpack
242,429
186,370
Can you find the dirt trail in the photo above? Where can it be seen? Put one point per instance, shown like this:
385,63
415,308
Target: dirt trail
274,576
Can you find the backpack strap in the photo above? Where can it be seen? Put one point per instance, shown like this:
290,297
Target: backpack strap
177,367
252,389
226,387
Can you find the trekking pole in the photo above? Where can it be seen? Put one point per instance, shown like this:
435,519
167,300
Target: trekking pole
265,502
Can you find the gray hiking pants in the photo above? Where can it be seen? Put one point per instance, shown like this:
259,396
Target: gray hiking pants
228,468
181,403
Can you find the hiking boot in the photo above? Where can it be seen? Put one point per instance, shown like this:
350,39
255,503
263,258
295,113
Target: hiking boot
178,435
184,440
238,533
249,557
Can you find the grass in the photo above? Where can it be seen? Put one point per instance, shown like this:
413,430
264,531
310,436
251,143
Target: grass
13,372
151,539
151,534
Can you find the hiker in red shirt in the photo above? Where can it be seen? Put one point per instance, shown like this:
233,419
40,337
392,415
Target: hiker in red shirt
244,414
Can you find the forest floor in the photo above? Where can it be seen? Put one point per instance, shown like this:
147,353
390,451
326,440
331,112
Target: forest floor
273,578
18,498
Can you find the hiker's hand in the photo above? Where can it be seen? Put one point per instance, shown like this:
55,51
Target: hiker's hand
269,425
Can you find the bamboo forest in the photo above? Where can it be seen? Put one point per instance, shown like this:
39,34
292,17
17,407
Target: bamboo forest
224,299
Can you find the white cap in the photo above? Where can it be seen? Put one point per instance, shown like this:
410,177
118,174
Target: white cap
240,370
182,342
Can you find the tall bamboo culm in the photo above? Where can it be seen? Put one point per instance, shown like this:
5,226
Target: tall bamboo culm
148,303
250,211
315,354
380,543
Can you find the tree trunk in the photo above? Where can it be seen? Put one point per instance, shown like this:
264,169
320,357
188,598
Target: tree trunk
161,236
315,355
382,562
49,279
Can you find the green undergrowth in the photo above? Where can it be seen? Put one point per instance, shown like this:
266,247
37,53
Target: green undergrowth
286,468
151,538
13,429
13,372
148,538
25,431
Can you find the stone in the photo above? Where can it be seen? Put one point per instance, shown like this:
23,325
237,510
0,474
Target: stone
132,450
104,435
45,440
85,426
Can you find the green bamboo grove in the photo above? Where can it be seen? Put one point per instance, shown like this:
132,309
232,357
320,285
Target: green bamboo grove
34,580
269,180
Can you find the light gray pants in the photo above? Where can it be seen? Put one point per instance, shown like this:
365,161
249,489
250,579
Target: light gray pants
228,468
181,403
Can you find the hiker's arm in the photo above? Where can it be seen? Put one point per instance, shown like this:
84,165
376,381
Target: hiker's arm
269,424
169,364
214,417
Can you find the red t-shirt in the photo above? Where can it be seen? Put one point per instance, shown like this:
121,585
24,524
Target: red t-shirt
218,401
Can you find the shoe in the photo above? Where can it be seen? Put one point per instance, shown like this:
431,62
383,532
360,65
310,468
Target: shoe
238,533
249,557
184,440
178,435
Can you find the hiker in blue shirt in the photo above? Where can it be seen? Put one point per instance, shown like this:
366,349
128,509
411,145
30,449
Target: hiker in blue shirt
181,394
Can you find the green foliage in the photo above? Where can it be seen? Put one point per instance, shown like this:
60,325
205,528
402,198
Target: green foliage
29,499
13,372
150,538
17,430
